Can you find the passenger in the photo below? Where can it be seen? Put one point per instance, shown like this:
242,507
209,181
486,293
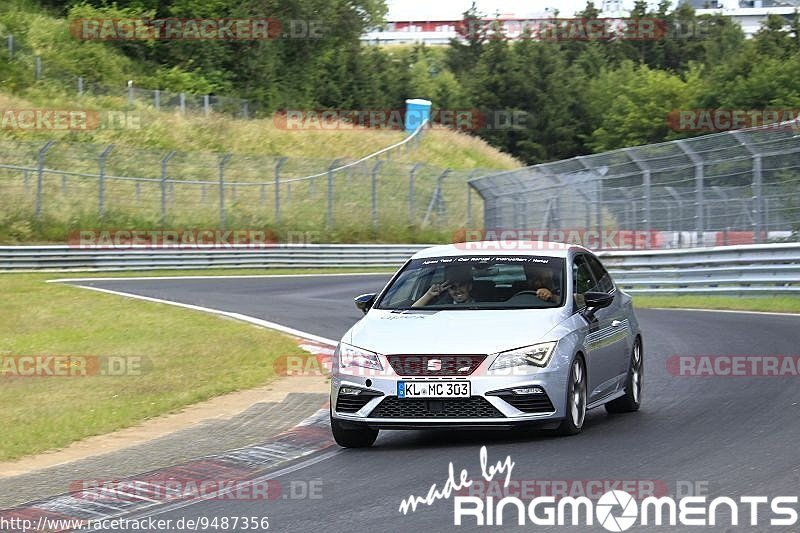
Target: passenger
458,284
541,281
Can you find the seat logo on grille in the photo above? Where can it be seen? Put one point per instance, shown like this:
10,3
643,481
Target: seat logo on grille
434,365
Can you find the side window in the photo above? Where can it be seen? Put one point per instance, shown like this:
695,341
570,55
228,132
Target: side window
604,281
582,276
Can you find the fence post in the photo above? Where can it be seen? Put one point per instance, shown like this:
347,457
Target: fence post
206,105
278,167
164,163
10,47
699,194
469,198
758,199
182,99
673,192
375,170
647,193
412,193
101,184
222,163
157,99
39,175
758,209
588,212
436,196
469,207
130,93
38,68
598,209
329,222
80,85
245,110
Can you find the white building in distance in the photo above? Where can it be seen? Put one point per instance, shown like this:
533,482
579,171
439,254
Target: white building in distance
750,14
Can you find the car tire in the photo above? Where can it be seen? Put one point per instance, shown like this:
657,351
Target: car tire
353,438
576,400
633,384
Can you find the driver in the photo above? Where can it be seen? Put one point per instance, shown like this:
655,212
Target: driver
540,280
458,284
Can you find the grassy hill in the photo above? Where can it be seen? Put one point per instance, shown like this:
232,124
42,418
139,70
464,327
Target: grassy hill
71,201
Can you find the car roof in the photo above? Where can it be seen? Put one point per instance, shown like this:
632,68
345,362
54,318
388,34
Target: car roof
505,248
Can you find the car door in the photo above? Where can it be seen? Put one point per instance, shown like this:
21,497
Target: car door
601,361
613,322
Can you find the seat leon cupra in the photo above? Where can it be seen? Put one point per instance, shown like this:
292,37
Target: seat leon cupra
481,336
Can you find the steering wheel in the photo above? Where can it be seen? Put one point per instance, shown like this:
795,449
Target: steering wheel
531,293
522,294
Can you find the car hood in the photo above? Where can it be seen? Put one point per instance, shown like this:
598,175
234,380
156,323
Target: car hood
452,332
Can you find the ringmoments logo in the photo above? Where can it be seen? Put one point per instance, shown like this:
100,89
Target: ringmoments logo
615,510
605,510
618,510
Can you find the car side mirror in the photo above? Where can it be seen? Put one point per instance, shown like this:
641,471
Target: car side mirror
365,301
598,300
595,301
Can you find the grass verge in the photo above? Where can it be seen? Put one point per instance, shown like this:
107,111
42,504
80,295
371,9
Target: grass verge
188,357
780,304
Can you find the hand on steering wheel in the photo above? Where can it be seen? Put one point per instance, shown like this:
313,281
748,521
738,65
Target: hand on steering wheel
542,294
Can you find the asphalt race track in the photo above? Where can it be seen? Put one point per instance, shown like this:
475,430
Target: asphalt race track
736,436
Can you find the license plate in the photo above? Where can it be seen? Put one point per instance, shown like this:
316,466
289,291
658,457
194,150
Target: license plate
433,389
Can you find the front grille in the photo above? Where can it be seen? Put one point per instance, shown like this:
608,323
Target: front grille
348,403
473,407
435,365
527,403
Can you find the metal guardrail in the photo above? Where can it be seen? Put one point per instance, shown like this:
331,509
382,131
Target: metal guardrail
751,269
767,269
61,258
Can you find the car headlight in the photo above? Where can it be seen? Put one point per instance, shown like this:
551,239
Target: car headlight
536,355
350,357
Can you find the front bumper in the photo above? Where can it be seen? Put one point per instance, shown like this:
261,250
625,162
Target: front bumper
491,405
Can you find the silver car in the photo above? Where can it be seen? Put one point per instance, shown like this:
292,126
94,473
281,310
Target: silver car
479,335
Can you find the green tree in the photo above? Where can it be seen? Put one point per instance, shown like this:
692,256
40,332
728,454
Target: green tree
631,105
462,57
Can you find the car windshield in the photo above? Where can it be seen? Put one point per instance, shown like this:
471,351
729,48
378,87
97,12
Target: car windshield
458,283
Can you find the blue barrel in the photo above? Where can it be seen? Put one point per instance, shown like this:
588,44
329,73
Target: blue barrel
417,112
